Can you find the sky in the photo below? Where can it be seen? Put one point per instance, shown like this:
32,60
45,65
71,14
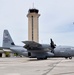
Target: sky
56,20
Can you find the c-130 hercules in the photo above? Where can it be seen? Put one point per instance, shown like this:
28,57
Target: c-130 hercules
33,49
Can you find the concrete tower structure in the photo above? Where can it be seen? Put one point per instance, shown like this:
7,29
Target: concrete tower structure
33,28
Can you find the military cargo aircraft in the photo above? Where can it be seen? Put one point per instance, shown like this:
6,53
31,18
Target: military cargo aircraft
33,49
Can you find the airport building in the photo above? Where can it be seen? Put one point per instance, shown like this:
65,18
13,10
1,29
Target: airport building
6,53
33,28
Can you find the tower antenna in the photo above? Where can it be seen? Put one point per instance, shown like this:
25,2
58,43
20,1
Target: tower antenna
33,5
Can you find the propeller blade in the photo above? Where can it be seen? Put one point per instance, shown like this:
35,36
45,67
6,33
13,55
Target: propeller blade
52,44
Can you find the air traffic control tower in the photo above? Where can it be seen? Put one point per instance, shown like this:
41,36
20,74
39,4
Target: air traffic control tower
33,28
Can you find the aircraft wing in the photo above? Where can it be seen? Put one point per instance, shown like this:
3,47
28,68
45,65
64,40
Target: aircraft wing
31,45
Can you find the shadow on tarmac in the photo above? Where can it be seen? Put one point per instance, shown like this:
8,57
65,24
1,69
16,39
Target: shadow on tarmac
35,59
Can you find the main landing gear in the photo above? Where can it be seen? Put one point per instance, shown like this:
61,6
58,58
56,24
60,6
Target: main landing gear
68,57
42,58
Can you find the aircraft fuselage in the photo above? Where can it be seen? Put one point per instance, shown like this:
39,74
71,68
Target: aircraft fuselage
59,51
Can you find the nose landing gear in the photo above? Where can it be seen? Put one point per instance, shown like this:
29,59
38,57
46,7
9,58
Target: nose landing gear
68,57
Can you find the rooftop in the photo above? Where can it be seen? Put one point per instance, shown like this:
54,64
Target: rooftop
33,10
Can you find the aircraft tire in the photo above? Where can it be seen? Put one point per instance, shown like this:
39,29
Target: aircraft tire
39,59
70,57
66,57
42,58
45,58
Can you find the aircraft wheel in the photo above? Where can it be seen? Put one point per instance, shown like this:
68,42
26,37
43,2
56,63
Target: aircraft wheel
45,58
38,58
66,57
70,57
41,58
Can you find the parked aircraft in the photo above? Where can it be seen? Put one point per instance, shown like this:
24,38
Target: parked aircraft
36,50
30,49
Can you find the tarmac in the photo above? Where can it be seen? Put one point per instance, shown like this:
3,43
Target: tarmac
29,66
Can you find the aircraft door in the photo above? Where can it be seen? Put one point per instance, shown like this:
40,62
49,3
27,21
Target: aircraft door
29,53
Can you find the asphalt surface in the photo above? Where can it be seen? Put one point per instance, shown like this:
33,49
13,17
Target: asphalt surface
28,66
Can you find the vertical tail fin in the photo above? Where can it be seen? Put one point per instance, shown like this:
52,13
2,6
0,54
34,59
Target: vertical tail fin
7,40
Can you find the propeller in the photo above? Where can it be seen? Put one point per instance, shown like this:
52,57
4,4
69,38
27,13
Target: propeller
52,44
